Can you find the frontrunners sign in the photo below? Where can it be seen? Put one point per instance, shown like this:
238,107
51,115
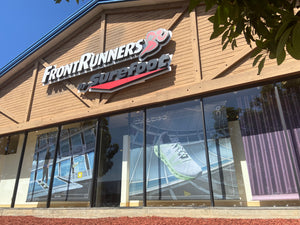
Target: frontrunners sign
117,79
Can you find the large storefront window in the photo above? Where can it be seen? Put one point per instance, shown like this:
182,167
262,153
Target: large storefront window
10,151
112,130
73,169
222,163
136,132
254,133
176,158
289,92
252,138
75,162
36,168
120,161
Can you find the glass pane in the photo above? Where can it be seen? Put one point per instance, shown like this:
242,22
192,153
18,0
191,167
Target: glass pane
10,152
289,102
265,146
249,148
222,162
120,164
136,130
110,160
176,161
74,166
36,169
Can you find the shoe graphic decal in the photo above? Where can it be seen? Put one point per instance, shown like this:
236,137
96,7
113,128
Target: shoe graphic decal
178,161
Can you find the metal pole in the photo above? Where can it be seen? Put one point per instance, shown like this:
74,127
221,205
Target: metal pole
19,171
53,167
212,200
145,161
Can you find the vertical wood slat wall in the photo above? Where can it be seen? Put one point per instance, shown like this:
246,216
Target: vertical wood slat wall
30,104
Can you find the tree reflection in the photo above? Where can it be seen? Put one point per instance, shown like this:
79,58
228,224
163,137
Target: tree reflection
107,149
107,188
222,115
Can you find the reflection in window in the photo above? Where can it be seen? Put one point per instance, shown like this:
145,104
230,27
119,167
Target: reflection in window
263,142
64,147
253,143
117,182
76,142
41,167
266,146
176,161
74,168
9,144
136,131
219,147
64,169
10,151
110,160
289,93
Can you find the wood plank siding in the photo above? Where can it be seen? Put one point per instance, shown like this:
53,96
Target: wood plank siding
199,66
13,98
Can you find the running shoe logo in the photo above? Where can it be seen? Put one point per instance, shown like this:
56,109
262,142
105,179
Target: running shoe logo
108,82
182,154
154,41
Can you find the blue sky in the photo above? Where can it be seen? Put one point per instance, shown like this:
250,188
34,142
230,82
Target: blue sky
25,22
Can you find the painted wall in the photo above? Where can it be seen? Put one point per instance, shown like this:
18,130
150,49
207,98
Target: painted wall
8,171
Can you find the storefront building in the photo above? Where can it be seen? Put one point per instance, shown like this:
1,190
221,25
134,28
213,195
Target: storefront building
129,103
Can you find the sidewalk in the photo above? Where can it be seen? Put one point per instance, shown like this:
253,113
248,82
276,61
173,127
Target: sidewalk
175,212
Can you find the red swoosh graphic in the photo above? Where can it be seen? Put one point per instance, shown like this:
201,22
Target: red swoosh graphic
116,83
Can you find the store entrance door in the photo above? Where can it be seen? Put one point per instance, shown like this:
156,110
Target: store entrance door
112,129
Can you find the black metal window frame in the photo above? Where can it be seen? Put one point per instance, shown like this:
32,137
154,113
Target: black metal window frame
98,144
